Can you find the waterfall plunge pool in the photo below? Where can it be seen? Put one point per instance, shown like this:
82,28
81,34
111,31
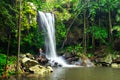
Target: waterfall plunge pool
75,73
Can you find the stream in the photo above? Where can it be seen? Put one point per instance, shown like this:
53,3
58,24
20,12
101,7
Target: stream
75,73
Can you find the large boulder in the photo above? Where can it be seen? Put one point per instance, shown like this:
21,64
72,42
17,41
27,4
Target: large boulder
108,59
38,69
85,61
104,61
115,65
27,63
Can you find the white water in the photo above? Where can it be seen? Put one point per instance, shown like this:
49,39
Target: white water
47,22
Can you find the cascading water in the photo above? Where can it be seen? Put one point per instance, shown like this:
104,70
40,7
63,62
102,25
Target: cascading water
47,22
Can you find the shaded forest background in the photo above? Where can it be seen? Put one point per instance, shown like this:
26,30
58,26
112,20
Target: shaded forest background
81,25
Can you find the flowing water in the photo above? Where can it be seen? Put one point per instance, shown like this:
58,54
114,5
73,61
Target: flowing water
76,73
47,23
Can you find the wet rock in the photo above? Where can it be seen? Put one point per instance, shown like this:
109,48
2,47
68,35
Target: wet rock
52,63
42,60
66,55
27,63
85,61
70,57
38,69
115,65
117,60
104,61
28,55
24,60
49,69
108,59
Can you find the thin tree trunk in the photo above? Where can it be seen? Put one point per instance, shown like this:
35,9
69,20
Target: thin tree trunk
87,36
19,33
93,43
100,44
110,27
84,16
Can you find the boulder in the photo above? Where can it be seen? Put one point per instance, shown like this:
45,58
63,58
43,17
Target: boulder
85,61
49,69
27,63
28,55
38,69
117,60
104,61
108,59
21,56
115,65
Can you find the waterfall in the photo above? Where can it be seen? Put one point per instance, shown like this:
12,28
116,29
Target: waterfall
47,23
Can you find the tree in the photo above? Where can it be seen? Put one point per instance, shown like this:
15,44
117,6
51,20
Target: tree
19,33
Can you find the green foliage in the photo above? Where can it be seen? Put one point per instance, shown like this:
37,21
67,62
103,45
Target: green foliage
32,40
12,60
3,57
65,15
118,16
2,63
60,33
117,29
98,33
89,55
93,6
2,60
78,48
7,21
28,16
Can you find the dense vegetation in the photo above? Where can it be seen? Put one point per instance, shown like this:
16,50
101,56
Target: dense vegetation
81,25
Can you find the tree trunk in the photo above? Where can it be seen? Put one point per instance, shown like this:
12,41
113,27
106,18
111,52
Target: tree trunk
19,33
110,27
84,37
93,44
